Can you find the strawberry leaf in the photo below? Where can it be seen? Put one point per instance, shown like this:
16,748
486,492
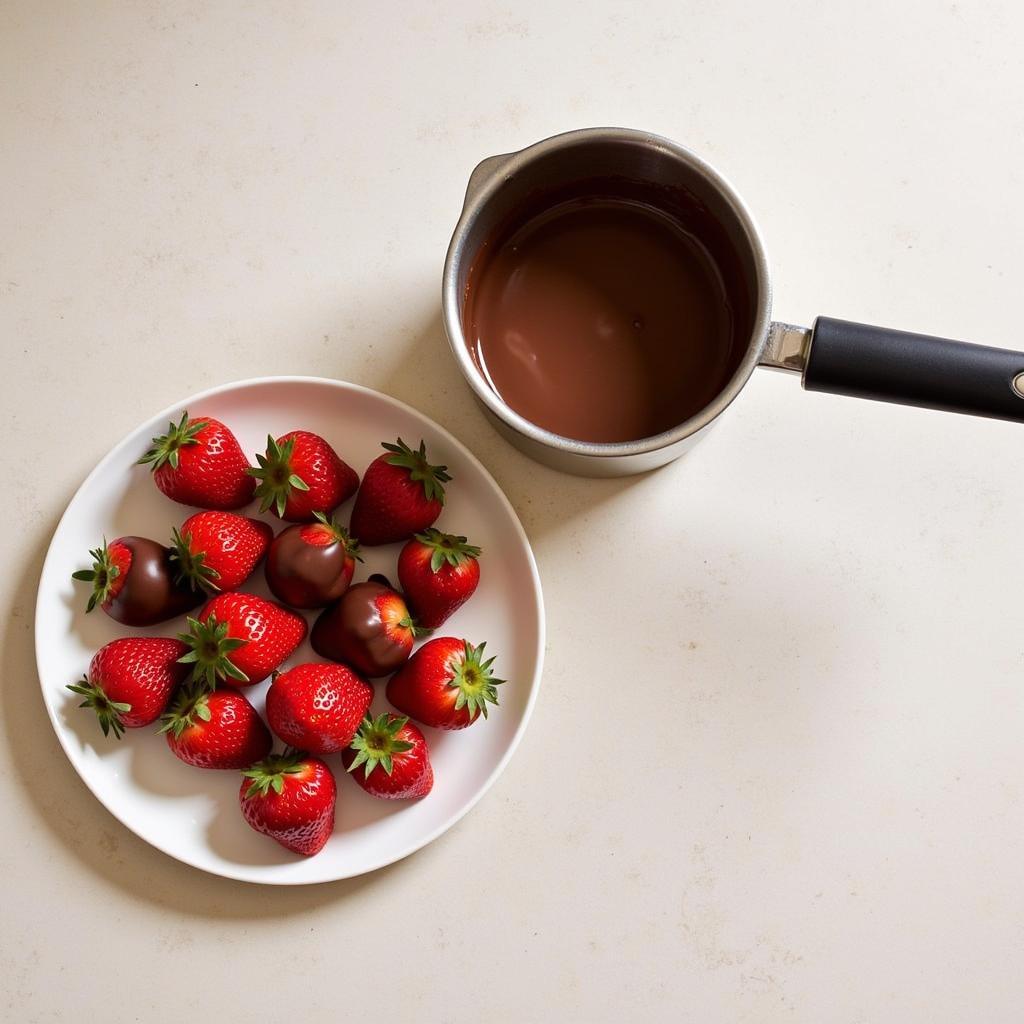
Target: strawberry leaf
209,650
166,449
102,575
476,684
447,549
269,773
190,704
192,567
276,477
420,470
339,534
375,743
108,712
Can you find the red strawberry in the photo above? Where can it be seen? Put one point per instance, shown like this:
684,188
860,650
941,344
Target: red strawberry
301,474
394,757
369,628
445,684
318,707
311,564
219,550
215,730
438,573
131,680
239,639
290,797
133,582
401,494
200,462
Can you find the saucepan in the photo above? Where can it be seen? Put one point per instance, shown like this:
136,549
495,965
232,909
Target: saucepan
832,355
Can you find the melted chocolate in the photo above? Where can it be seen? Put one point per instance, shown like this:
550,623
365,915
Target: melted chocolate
149,594
307,575
352,631
602,317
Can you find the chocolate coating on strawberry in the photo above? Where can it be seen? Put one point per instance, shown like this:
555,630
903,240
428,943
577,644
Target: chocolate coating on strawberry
369,628
311,565
134,582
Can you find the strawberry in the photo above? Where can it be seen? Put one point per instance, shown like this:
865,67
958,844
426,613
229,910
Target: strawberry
133,582
445,684
301,474
219,550
215,730
393,756
131,680
290,797
311,564
318,707
200,462
401,494
239,639
438,573
369,628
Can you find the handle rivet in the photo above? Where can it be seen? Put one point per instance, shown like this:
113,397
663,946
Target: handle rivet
1018,384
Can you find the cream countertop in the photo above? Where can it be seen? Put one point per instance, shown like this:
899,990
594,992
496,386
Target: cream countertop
775,772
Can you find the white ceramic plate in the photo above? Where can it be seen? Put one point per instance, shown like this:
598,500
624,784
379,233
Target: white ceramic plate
192,814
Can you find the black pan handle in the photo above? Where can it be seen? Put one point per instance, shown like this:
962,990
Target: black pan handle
915,369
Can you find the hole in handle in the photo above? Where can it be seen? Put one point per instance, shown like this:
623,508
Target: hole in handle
1018,384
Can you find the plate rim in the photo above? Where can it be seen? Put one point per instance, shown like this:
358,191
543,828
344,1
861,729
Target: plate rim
443,433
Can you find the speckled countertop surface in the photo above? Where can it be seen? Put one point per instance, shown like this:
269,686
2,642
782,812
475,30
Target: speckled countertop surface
776,770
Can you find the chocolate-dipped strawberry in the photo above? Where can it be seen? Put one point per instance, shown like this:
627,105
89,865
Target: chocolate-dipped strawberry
133,581
368,628
309,565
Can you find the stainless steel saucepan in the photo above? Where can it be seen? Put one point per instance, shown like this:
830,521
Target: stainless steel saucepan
833,355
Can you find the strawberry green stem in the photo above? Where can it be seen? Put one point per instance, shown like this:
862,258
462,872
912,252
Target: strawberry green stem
375,743
269,773
190,704
209,652
108,712
192,567
446,548
102,575
433,478
473,678
331,532
409,623
166,448
276,478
